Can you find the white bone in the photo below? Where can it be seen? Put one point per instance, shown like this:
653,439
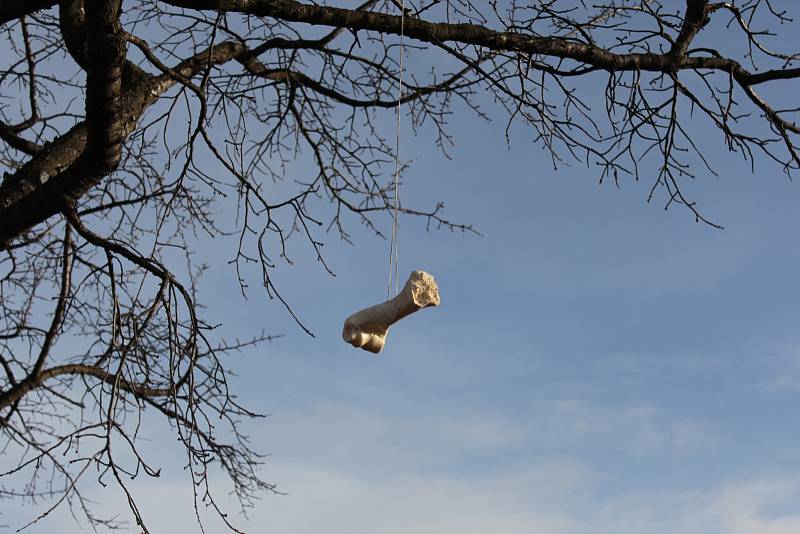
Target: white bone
367,328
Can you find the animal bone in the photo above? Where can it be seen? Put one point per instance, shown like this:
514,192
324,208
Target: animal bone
367,328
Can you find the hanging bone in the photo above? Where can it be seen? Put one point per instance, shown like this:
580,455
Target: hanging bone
367,328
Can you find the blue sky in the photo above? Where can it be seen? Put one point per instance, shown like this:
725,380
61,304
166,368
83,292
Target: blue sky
597,365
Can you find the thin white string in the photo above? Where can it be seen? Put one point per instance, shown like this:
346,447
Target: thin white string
394,255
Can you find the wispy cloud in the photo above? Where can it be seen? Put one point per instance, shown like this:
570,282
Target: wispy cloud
781,367
636,429
551,496
350,470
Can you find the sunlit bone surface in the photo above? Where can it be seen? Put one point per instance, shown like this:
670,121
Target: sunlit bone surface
367,328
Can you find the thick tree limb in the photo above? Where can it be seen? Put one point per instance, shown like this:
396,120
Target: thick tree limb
22,388
61,174
16,9
105,118
693,21
72,22
71,165
472,34
107,125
